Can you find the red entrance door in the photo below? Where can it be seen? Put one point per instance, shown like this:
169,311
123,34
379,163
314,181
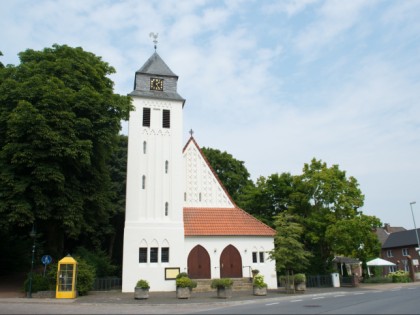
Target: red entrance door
199,263
230,263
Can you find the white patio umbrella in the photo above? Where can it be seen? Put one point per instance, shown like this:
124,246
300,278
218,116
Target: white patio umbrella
378,262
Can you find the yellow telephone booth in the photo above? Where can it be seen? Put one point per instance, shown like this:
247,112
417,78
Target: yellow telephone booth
66,278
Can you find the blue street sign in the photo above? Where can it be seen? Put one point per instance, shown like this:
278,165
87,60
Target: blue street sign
46,259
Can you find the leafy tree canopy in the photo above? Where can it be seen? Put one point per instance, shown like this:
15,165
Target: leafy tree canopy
289,252
59,123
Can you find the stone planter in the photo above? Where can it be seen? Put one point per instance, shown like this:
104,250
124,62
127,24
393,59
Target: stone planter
259,291
301,286
224,293
183,293
140,293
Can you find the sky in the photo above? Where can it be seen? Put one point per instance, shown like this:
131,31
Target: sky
274,83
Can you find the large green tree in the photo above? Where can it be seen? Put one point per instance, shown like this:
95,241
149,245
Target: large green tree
289,252
323,197
59,125
269,197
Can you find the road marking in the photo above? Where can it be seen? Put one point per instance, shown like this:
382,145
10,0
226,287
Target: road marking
292,301
339,295
318,298
272,303
359,293
411,288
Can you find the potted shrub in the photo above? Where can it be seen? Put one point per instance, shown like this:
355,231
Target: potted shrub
255,272
223,286
259,286
300,282
141,291
184,286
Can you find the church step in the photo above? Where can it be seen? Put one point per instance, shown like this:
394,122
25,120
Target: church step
239,284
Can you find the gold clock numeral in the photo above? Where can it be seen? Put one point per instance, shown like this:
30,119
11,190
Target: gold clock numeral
156,84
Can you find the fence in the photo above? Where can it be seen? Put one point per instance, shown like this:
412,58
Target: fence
107,284
319,281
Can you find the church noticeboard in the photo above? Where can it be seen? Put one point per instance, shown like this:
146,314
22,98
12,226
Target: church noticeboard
171,273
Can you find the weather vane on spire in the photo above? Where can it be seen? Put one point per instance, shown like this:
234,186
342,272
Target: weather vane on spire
155,36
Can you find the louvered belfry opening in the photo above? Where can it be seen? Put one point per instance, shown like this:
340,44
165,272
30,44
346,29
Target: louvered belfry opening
146,117
166,118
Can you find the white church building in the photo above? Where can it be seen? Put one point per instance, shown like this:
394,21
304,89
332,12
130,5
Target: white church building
179,217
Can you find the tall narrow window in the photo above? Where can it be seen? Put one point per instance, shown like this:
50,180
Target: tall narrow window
143,182
166,209
164,254
405,251
153,254
144,147
254,257
199,197
166,118
185,196
143,255
261,257
146,117
166,167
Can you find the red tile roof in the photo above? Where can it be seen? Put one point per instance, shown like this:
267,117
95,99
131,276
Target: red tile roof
223,221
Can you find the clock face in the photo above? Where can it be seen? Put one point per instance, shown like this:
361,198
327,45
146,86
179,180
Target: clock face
156,84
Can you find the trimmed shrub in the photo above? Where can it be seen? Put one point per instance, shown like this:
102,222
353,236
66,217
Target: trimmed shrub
144,284
221,283
182,274
39,283
258,281
300,278
399,276
185,282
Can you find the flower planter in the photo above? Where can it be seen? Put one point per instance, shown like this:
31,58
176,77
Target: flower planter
259,291
183,293
301,287
140,293
224,293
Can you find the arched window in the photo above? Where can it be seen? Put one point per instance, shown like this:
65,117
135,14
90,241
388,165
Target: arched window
143,182
144,147
166,167
166,209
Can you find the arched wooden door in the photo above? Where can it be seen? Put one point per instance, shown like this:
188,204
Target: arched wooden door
199,263
230,263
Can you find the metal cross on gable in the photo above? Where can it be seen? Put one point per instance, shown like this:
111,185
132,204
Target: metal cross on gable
191,132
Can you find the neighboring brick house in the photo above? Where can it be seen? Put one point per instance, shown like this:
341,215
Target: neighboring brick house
384,232
397,247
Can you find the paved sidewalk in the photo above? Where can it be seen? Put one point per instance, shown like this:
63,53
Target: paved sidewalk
169,298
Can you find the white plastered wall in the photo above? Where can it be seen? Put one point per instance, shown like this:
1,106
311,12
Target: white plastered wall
146,221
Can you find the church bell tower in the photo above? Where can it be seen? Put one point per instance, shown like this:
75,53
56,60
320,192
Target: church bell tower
154,228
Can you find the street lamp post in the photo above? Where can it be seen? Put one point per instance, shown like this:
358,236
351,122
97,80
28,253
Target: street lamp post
414,221
32,235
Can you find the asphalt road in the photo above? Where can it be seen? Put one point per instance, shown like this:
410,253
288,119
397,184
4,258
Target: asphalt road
400,300
381,299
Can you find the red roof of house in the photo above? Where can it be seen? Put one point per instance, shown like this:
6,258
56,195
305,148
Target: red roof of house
223,221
